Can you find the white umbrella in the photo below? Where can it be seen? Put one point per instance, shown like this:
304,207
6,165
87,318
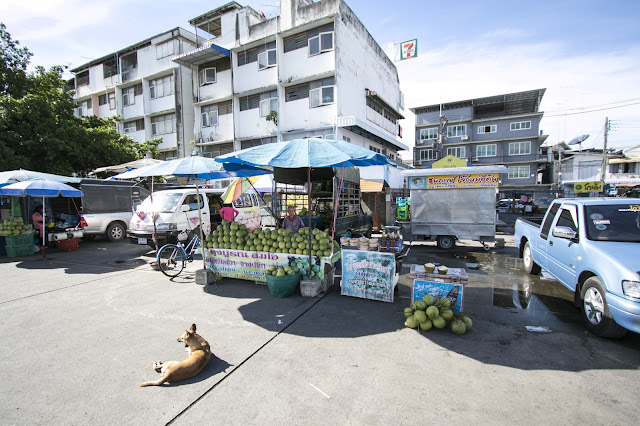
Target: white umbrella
136,164
20,175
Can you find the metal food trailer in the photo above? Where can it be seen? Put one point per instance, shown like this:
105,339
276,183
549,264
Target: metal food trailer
455,203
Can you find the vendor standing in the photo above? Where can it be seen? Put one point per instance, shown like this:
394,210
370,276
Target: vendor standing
228,212
292,221
38,220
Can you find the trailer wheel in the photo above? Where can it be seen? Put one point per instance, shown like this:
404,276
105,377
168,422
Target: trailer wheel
446,242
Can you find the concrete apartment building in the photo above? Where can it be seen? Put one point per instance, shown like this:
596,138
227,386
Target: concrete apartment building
145,87
502,129
315,65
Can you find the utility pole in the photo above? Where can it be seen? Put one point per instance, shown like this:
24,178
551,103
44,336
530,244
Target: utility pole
604,152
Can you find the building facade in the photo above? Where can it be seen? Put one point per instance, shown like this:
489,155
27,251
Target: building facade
501,129
240,80
313,71
142,85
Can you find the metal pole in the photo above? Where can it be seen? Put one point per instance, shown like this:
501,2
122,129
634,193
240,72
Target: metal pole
309,212
204,265
604,152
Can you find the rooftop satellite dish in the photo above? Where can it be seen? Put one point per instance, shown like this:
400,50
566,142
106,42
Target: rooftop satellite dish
578,140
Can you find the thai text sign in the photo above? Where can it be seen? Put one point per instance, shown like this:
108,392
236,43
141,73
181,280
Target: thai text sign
439,290
368,274
252,265
587,187
489,180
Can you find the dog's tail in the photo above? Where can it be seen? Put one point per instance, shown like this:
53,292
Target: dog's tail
158,383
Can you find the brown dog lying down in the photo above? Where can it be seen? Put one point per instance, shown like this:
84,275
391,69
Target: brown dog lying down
199,354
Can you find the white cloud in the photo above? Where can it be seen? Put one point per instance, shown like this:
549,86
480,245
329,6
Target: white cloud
481,68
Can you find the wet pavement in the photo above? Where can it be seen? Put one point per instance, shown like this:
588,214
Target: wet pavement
87,325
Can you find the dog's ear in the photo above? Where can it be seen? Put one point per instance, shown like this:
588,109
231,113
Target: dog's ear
192,329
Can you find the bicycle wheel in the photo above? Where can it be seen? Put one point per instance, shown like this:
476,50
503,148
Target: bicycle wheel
170,260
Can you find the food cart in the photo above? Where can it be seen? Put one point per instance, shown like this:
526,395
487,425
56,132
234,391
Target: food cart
448,204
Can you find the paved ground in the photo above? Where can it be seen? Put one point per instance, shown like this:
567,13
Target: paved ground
80,331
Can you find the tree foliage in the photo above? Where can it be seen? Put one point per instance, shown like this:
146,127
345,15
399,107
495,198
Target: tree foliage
38,129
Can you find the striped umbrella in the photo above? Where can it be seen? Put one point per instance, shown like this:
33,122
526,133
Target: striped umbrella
238,187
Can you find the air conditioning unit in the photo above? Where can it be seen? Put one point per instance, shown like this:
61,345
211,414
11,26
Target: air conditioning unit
464,138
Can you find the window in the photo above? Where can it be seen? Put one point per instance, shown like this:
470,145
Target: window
374,149
207,76
520,148
112,100
209,115
329,136
83,108
566,219
321,92
249,102
457,151
268,103
225,107
254,142
321,39
110,68
486,150
346,139
130,127
431,133
492,128
456,131
520,125
247,57
267,55
428,154
102,100
165,49
163,124
82,79
295,42
129,61
518,172
128,96
544,229
161,87
294,93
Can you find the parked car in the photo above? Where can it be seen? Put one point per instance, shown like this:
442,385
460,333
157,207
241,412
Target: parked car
542,203
592,247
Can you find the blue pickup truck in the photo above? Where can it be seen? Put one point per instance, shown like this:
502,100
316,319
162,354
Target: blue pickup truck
592,247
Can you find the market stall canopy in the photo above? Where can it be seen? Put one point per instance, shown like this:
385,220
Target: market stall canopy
305,153
371,185
20,175
136,164
204,168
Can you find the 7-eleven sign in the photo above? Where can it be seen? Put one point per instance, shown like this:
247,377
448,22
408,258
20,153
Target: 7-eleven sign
409,49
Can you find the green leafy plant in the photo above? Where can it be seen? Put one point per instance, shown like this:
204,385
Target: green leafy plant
273,116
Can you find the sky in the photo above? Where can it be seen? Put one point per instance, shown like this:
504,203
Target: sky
585,53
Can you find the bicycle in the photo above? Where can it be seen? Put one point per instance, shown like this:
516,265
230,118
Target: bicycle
172,258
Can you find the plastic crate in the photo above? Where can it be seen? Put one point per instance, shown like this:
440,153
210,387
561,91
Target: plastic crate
283,286
310,287
67,245
17,251
19,240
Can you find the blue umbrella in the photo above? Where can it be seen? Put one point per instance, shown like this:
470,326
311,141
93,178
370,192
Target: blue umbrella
299,153
309,153
40,188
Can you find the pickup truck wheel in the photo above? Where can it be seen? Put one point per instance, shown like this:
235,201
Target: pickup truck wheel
529,265
446,242
596,312
115,232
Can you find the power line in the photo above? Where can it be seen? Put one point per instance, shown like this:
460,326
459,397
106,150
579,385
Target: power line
599,105
587,112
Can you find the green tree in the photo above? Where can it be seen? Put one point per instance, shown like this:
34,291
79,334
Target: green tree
38,129
13,64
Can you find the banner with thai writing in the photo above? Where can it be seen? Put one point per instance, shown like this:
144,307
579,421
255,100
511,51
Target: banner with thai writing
455,292
587,187
488,180
252,265
368,274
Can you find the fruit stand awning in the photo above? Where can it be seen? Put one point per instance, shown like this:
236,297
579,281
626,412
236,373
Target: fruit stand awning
371,185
